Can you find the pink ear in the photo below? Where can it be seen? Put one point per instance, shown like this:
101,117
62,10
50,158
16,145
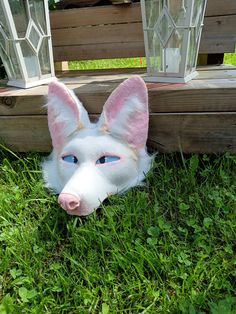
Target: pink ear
59,90
64,113
126,112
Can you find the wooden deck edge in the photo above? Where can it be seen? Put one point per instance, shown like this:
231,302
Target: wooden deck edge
186,132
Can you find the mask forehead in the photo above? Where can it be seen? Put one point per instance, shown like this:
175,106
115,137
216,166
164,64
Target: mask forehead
91,144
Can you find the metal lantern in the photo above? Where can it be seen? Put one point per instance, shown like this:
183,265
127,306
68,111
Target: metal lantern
25,42
172,32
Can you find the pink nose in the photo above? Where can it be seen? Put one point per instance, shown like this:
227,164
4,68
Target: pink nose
68,201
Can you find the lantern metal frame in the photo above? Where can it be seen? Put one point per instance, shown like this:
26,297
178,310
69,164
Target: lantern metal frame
178,57
18,68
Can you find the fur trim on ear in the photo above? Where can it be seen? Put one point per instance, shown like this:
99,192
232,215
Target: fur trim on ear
66,114
126,112
58,89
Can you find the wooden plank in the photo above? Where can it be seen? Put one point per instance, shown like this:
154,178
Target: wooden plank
219,7
200,133
101,15
203,94
105,73
108,14
70,77
99,51
218,34
25,133
61,66
101,34
126,40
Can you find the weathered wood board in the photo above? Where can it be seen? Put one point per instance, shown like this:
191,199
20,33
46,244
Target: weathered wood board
201,133
196,117
116,31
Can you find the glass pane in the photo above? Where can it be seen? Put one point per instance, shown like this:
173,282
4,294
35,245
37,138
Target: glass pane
197,19
172,52
192,53
37,12
178,10
155,53
44,57
13,61
3,22
153,8
20,16
197,12
6,63
34,37
164,26
3,41
30,59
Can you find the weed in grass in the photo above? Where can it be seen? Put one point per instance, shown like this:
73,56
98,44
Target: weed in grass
166,247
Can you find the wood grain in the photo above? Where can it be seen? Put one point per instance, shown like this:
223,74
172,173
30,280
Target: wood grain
103,15
126,39
219,7
116,31
199,116
214,90
99,51
200,133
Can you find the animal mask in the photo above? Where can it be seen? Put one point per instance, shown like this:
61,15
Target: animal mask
91,161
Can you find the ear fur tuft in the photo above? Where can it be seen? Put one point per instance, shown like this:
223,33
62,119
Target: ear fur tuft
126,112
66,114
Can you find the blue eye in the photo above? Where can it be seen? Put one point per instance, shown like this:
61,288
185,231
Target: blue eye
106,159
70,158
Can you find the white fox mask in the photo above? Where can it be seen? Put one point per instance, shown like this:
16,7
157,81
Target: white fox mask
91,161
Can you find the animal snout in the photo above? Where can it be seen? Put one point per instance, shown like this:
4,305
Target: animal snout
68,201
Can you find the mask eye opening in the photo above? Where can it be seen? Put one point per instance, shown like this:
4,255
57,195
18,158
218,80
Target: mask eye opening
105,159
70,158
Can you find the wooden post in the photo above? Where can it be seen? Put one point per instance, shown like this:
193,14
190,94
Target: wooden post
61,66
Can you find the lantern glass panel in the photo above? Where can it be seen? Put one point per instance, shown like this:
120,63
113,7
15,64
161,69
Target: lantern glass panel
172,31
198,9
164,27
152,8
3,41
34,37
44,57
37,11
14,61
192,52
3,22
172,53
155,50
8,55
195,33
164,40
30,59
20,17
178,10
25,42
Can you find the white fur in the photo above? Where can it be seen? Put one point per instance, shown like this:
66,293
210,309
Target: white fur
89,182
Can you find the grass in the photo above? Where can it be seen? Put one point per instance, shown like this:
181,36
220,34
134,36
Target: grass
229,58
167,247
107,64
